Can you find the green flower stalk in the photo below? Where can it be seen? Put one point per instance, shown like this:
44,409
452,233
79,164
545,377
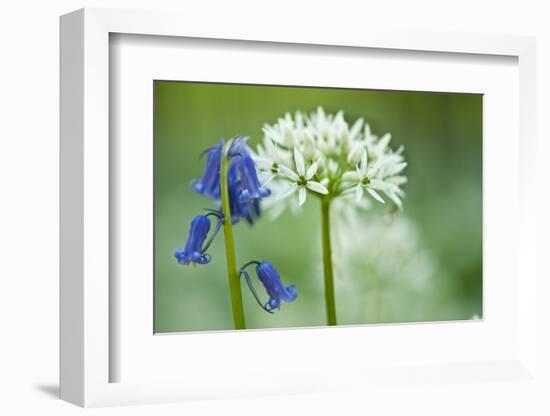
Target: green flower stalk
233,274
328,269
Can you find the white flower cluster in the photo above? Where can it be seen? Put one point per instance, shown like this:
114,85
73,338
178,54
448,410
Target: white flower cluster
321,153
383,268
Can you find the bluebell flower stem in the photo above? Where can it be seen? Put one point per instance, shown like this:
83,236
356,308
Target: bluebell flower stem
327,262
232,271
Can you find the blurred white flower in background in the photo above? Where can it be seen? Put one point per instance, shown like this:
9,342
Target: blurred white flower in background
384,259
322,154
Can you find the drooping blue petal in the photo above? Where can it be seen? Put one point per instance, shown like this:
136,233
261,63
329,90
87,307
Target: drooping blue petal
209,184
251,189
194,251
240,209
277,291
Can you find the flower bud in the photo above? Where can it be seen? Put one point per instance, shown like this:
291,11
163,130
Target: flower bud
354,156
309,146
288,135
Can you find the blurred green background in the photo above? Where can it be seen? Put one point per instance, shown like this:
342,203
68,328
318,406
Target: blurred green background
421,264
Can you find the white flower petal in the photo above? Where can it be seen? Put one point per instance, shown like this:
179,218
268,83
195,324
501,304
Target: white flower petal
339,118
263,162
273,134
354,155
289,173
364,165
395,169
288,135
312,170
302,194
356,128
386,187
367,131
348,191
397,180
395,199
299,160
321,166
317,187
332,166
378,184
288,118
383,142
375,195
350,176
293,188
359,192
323,147
309,146
374,168
269,180
320,116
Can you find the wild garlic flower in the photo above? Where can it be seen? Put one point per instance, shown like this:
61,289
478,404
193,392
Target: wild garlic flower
383,267
302,179
321,154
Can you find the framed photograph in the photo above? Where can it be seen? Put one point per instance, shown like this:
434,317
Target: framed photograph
243,214
346,231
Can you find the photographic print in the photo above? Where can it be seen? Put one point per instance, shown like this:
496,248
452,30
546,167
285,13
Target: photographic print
292,207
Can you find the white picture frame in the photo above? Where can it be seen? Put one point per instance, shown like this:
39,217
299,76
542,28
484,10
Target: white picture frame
87,356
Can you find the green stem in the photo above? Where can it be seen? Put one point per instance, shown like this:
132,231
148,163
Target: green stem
232,272
327,262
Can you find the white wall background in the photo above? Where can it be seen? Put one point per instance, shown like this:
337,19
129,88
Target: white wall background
29,199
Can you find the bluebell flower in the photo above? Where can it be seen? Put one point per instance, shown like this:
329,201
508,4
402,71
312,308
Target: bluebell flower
277,291
196,246
270,279
245,171
209,184
248,207
250,188
245,190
